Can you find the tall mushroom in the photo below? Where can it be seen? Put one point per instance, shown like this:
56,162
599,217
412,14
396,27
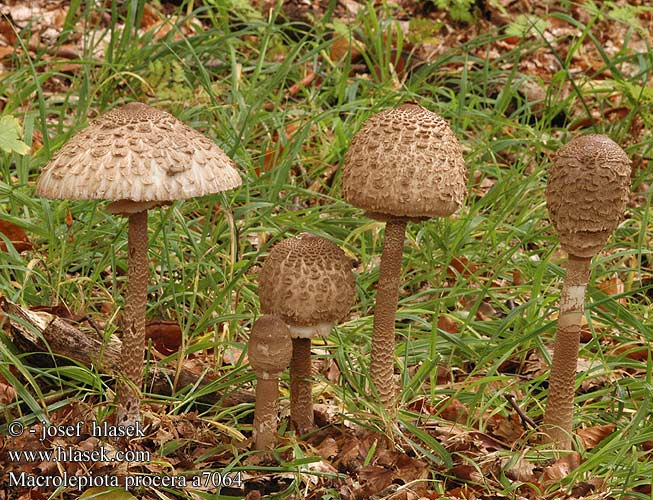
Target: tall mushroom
405,164
586,194
140,157
269,351
308,282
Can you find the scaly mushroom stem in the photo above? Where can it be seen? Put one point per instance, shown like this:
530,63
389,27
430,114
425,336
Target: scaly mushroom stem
133,337
301,395
559,414
265,412
387,296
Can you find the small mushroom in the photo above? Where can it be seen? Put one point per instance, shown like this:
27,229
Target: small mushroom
405,164
269,351
140,157
586,194
308,282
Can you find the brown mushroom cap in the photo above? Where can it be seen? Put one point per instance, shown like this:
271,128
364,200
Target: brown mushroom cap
137,153
270,347
586,193
308,282
405,162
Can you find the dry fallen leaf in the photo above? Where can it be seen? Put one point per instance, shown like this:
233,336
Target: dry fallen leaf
452,410
7,31
231,356
333,371
482,184
69,218
448,325
341,46
517,278
7,394
6,52
592,436
637,351
461,266
328,448
16,235
613,286
150,17
509,430
467,472
165,335
374,478
522,470
561,468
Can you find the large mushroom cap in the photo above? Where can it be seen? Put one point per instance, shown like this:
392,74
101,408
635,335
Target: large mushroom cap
270,347
308,282
586,193
405,162
137,153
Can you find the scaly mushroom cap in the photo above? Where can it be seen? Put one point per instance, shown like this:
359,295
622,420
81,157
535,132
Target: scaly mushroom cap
586,193
308,282
405,162
137,153
270,347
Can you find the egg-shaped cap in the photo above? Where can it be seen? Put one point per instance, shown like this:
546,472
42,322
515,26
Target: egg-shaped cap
138,153
308,282
270,346
405,162
586,193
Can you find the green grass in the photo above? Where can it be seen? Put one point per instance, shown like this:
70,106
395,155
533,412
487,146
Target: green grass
229,78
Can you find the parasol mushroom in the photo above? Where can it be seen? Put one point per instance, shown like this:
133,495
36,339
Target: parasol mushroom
269,353
140,157
586,194
308,282
405,164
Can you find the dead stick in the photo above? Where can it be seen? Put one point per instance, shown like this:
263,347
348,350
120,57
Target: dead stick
41,332
524,418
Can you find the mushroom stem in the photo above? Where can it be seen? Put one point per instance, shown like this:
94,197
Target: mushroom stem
265,412
133,337
559,414
301,395
387,296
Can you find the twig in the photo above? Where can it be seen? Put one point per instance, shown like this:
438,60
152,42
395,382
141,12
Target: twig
525,418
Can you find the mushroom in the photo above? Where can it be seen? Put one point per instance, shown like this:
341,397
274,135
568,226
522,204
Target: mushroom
586,194
405,164
308,282
140,157
269,354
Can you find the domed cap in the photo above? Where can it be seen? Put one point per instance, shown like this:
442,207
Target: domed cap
308,282
586,193
137,153
270,347
405,162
